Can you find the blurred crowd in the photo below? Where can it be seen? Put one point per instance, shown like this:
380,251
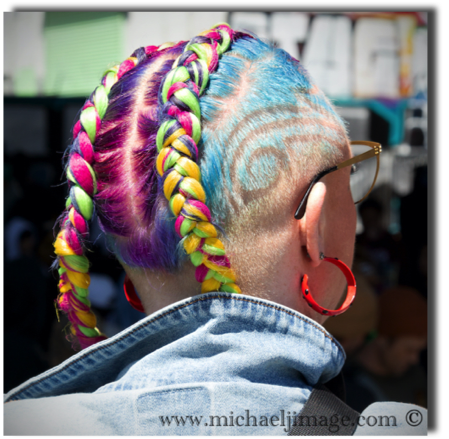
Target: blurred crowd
384,334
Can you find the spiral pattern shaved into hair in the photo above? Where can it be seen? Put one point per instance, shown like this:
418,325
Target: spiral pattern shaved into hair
135,154
177,140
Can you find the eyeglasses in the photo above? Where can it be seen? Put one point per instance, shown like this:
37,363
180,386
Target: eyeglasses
363,173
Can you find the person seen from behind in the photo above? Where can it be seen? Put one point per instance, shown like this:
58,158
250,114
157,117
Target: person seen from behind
220,174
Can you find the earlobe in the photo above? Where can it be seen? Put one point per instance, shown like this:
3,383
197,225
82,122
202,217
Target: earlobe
314,223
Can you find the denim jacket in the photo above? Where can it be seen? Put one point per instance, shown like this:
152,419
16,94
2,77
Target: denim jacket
214,364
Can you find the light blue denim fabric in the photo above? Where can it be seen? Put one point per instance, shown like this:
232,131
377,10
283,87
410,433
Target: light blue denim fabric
243,359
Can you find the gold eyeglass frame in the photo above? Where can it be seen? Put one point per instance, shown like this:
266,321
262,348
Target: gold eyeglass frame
376,149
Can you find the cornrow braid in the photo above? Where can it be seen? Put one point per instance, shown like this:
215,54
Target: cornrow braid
176,141
74,229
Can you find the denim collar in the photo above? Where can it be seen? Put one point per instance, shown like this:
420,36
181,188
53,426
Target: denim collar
214,336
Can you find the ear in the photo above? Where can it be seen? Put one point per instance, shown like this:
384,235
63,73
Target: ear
313,223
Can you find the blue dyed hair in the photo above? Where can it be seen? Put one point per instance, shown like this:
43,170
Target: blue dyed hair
261,117
265,125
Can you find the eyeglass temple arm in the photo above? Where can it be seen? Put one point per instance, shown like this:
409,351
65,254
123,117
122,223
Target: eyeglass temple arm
301,208
377,149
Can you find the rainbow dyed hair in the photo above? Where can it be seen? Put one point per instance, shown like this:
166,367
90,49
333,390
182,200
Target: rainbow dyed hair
148,155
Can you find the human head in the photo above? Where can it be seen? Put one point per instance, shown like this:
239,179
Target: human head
266,129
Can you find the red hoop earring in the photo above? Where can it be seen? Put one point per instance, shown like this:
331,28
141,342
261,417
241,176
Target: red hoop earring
350,295
131,295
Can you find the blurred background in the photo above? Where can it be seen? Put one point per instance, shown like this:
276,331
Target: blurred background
373,66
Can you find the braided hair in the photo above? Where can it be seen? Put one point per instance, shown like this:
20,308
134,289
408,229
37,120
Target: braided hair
69,244
176,140
260,127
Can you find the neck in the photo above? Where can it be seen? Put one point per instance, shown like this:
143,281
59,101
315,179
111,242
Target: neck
275,279
158,289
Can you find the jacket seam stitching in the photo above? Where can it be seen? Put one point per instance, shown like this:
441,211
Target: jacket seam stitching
199,299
